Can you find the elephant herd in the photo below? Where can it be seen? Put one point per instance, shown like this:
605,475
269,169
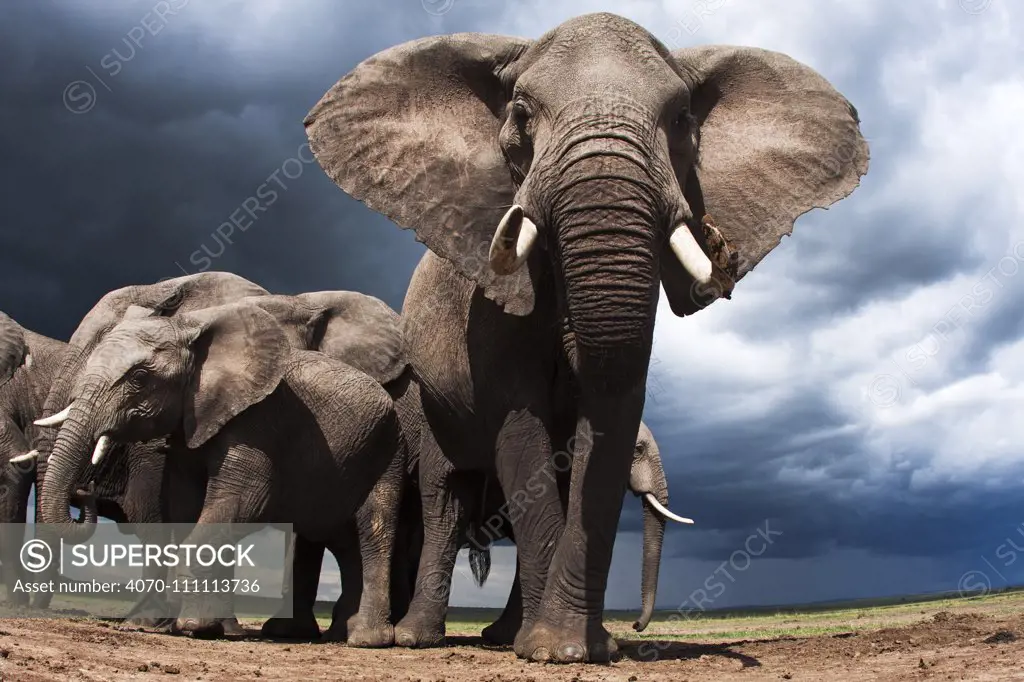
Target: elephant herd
278,394
559,184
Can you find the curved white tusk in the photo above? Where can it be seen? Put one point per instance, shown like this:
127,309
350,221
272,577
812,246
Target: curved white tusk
514,225
24,458
690,255
663,510
102,445
28,361
56,419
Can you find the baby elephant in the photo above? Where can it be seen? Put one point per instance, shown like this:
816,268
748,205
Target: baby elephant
259,432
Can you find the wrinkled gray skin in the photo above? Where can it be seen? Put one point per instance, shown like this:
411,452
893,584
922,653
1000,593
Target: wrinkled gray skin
365,333
490,521
129,479
594,130
249,419
28,362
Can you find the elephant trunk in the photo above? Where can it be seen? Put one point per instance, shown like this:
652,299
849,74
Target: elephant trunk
68,460
58,398
654,536
606,241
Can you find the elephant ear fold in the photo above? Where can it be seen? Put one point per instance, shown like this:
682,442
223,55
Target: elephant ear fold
202,290
359,330
412,132
776,140
13,349
137,312
240,356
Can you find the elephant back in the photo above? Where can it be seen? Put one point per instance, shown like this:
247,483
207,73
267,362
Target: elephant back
359,330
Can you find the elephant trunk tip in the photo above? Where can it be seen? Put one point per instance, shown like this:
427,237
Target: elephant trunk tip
641,624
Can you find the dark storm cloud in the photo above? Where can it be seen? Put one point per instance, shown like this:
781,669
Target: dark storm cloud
192,136
126,151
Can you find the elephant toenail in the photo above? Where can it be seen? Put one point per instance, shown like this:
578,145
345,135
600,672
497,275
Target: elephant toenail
572,652
541,654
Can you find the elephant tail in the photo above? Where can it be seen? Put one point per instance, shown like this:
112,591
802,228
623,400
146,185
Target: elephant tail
480,563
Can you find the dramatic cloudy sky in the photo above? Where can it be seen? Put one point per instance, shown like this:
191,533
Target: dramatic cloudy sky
859,397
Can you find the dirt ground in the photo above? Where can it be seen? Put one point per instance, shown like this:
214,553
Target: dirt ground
967,643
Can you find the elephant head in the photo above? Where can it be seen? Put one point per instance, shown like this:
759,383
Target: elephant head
14,354
647,481
166,298
152,377
357,329
610,150
13,349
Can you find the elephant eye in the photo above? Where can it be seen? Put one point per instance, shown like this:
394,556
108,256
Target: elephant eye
520,110
683,119
138,376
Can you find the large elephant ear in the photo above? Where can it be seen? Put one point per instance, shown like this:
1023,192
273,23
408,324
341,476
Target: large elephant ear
165,298
412,132
195,292
12,347
240,356
776,140
359,330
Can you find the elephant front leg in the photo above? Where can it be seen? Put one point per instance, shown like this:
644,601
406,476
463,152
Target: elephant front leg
152,611
423,625
15,485
237,492
528,476
377,522
207,608
569,627
303,562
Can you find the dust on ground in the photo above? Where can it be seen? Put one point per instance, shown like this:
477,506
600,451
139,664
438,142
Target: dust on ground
950,640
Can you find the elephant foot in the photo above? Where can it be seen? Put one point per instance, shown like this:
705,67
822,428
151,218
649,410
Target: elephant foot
148,624
576,639
232,628
18,600
210,628
338,632
415,634
300,628
370,635
501,632
146,613
200,628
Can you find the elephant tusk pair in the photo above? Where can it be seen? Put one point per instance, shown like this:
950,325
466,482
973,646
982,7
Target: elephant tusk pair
24,458
102,445
513,240
663,510
517,235
56,419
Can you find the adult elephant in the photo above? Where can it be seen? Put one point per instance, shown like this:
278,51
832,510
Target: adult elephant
269,433
129,479
28,364
556,182
365,333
